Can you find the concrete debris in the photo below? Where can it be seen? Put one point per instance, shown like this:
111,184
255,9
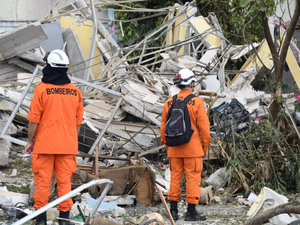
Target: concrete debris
267,199
218,179
21,39
123,96
9,198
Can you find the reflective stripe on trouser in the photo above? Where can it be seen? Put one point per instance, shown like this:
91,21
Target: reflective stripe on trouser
192,168
42,167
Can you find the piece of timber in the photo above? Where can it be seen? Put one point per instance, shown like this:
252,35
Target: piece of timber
132,127
103,157
141,110
120,133
165,204
105,128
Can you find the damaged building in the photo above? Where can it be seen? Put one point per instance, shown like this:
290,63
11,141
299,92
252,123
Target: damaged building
123,101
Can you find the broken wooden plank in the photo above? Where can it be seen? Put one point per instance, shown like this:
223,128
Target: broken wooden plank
114,130
130,127
105,128
99,109
156,108
165,204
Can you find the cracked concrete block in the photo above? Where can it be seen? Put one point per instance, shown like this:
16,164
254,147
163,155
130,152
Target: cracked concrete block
21,39
11,198
5,146
75,52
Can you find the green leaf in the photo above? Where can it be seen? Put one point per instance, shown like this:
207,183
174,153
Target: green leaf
244,3
252,9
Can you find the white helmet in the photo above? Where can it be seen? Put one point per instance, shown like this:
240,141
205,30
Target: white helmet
58,58
184,77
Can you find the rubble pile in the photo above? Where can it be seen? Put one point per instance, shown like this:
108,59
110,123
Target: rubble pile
119,140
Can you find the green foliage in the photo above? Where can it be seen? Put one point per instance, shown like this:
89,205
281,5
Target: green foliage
232,18
262,157
17,188
135,31
267,6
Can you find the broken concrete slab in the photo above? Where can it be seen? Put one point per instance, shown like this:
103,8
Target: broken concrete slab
143,139
8,72
84,31
75,52
21,64
9,198
34,56
120,200
219,178
9,100
5,146
21,39
139,91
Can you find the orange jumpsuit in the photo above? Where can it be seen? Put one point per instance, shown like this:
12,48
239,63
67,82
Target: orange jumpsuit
188,157
58,109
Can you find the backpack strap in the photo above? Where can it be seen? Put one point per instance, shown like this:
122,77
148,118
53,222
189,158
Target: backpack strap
174,99
186,100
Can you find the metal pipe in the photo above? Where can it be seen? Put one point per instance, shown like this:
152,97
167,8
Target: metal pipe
14,140
105,191
66,196
87,83
86,75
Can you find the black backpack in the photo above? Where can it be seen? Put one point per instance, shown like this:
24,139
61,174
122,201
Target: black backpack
178,126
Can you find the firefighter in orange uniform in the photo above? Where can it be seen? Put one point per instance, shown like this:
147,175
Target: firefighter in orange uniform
55,117
187,157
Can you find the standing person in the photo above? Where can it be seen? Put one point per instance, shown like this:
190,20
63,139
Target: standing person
55,117
187,157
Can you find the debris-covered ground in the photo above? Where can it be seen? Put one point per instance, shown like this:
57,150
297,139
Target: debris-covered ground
253,163
222,208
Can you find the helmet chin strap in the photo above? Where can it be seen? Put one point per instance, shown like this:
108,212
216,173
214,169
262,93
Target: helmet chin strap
192,86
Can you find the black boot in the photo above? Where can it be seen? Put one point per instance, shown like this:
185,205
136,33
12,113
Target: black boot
64,215
41,219
192,214
174,210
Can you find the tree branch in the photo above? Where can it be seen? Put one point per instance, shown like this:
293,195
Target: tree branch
286,42
291,207
268,36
